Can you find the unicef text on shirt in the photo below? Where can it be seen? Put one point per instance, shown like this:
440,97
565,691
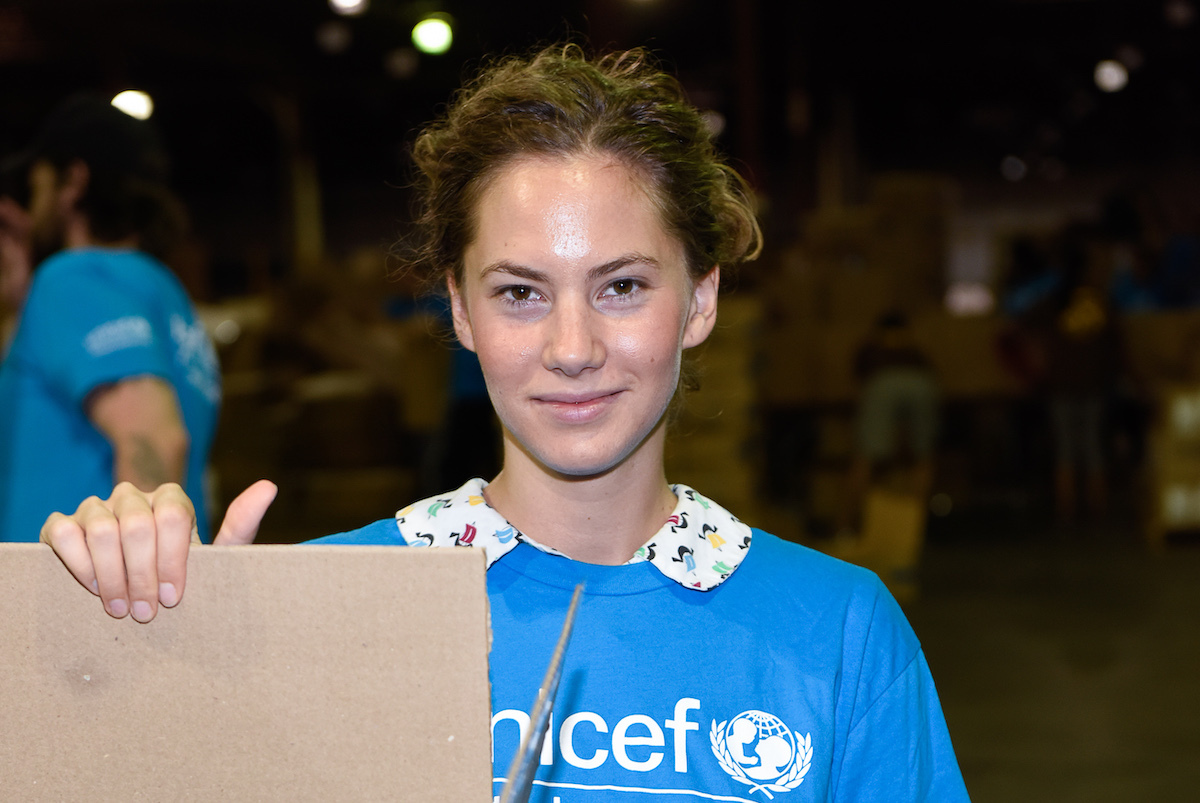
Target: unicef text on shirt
132,331
639,731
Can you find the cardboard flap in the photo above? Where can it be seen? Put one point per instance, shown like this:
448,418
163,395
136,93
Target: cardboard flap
286,673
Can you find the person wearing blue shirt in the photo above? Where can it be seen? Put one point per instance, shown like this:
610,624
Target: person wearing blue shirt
580,221
110,376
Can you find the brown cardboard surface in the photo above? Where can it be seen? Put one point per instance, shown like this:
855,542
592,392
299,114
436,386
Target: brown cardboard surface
286,673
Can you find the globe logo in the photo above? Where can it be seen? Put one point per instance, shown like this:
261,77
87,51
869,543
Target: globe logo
757,749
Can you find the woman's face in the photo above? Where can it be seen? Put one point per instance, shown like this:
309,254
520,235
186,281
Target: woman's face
579,305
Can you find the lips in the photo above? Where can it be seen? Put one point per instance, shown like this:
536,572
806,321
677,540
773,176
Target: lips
577,408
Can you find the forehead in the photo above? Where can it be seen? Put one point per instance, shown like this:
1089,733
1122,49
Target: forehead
532,180
570,208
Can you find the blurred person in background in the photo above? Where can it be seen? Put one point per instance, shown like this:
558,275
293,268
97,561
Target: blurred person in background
15,270
1083,362
110,376
896,423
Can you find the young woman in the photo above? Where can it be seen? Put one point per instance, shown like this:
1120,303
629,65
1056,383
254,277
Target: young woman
579,218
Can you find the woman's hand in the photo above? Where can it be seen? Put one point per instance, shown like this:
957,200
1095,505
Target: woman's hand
131,549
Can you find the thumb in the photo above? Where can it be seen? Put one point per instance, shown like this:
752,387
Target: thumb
245,513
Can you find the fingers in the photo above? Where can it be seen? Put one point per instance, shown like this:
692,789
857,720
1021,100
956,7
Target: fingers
131,548
175,522
136,541
65,537
102,539
246,513
155,532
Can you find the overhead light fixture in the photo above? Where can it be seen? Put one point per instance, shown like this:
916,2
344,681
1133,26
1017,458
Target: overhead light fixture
1111,75
349,8
433,34
135,103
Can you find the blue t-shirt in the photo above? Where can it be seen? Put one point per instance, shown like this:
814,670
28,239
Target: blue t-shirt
796,678
94,317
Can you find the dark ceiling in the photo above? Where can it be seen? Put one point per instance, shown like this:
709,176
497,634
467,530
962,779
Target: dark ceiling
952,86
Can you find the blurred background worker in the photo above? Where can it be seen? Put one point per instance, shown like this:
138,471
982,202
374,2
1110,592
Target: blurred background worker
109,377
897,417
892,464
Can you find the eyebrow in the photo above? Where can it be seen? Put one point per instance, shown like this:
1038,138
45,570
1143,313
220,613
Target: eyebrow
598,272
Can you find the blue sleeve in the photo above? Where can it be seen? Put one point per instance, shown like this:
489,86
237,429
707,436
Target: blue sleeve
898,747
385,532
83,332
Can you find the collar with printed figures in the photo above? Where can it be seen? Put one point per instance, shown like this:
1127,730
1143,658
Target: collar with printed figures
699,546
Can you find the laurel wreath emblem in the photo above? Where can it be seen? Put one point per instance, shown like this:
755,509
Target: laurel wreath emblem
801,762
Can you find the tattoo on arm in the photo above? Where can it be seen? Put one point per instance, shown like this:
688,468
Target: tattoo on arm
148,467
141,418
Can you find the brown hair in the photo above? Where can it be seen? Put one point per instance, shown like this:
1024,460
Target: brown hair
127,192
560,102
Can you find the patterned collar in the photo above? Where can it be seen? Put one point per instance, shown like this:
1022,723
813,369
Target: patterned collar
698,547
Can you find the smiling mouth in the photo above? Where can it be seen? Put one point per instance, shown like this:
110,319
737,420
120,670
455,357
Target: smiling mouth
578,409
577,400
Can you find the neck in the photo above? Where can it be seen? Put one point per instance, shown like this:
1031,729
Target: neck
599,519
78,234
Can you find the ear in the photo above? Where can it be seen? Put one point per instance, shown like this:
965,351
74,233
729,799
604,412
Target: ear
702,315
458,311
73,184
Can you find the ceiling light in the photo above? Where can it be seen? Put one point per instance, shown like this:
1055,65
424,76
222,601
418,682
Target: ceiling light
1111,75
135,103
434,34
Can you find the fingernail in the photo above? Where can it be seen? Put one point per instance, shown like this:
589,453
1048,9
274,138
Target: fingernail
141,611
95,588
167,594
118,607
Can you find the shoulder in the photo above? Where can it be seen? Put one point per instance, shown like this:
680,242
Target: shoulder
775,561
84,271
61,269
384,532
66,261
827,599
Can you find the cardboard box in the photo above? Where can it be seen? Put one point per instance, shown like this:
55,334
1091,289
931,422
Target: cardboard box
893,534
1174,441
286,674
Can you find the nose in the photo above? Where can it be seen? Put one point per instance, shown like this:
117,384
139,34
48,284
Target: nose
574,339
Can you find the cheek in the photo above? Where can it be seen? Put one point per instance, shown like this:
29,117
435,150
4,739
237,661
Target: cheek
655,346
505,361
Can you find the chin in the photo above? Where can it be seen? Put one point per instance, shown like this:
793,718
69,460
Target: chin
579,466
587,460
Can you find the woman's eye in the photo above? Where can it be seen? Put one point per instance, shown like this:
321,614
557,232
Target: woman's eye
519,293
622,288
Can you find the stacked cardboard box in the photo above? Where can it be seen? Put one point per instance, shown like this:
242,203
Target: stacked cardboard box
812,363
890,544
1175,459
908,242
1164,344
340,415
890,252
853,263
712,444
